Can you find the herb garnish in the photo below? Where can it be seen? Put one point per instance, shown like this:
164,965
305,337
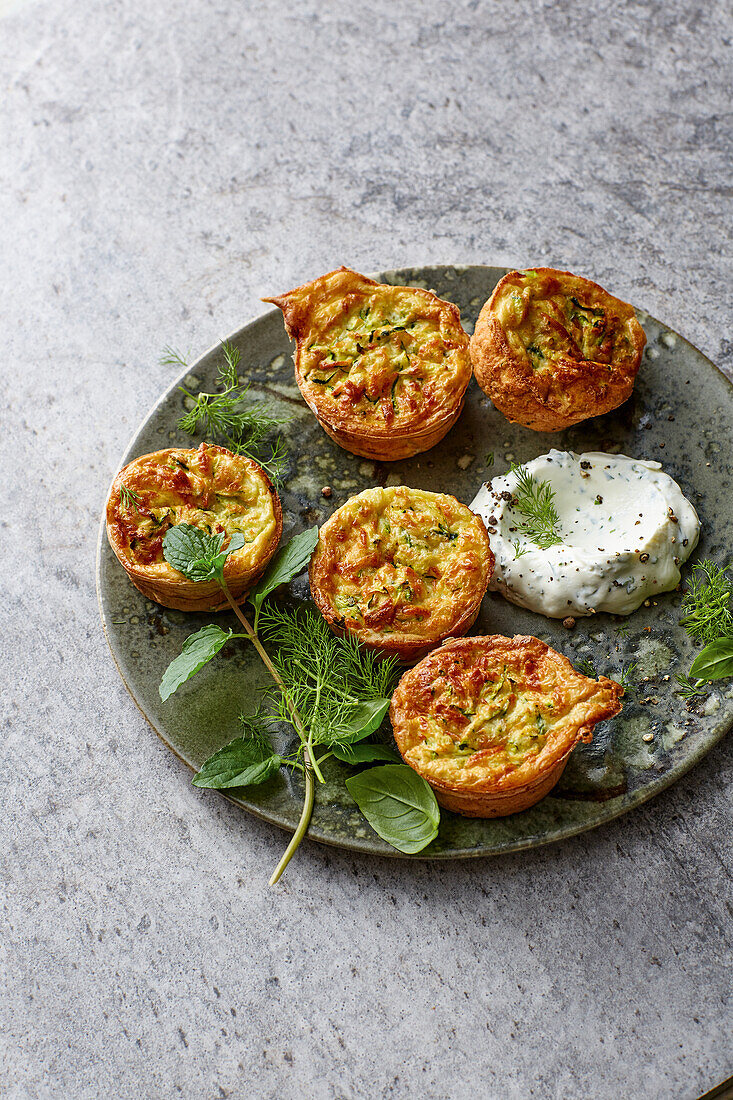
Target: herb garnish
535,501
398,804
587,667
707,617
715,662
129,497
242,763
226,417
689,689
705,611
340,689
197,555
330,690
625,678
198,649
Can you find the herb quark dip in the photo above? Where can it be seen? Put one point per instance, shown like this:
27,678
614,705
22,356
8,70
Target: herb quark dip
625,525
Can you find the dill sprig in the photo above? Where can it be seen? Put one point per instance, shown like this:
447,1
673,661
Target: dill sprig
705,612
535,501
226,416
689,689
625,677
327,679
587,667
129,497
255,727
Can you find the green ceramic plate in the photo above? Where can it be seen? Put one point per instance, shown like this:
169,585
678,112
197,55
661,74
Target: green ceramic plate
680,414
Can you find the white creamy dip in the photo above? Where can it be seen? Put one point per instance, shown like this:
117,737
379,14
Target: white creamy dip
626,528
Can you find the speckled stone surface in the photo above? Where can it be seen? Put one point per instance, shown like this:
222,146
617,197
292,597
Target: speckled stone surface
162,167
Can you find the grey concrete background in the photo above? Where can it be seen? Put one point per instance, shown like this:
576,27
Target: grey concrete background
161,166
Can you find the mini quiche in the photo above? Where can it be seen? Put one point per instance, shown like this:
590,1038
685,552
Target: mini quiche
490,722
209,488
401,569
551,349
384,368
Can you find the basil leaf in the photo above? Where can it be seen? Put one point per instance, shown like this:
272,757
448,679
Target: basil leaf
197,555
198,649
287,563
398,804
365,754
715,662
242,763
365,718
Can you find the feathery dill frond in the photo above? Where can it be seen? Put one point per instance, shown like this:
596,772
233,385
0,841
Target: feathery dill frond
534,499
625,677
587,667
129,497
705,612
169,357
255,728
226,417
327,678
689,689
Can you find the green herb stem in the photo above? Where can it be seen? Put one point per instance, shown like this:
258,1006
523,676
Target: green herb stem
297,721
310,764
302,827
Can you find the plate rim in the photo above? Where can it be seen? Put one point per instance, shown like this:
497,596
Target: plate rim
365,847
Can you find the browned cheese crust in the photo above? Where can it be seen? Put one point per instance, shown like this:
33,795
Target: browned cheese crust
490,722
401,569
551,349
384,368
209,488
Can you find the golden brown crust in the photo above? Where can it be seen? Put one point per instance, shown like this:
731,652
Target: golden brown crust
209,488
384,368
551,349
401,569
490,721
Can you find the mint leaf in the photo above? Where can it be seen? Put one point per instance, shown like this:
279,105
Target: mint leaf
715,662
365,754
184,546
236,542
287,563
198,649
197,555
364,719
242,763
398,804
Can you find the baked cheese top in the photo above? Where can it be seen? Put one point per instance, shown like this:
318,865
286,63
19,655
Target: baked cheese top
390,357
401,560
551,315
495,711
